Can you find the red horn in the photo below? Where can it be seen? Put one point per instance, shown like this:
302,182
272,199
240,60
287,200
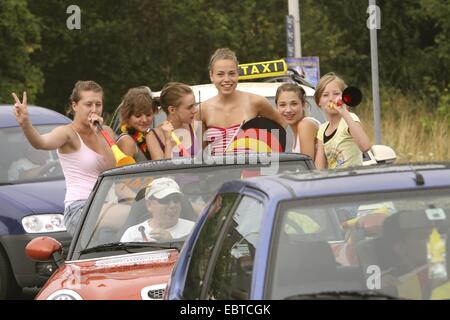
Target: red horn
351,96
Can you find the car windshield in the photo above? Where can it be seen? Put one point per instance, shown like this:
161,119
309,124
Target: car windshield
20,162
394,245
158,207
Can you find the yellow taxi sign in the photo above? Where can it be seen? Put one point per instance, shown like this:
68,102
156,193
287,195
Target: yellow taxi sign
263,69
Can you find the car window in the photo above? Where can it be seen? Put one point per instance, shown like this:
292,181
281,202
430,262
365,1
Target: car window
20,162
205,243
395,244
122,212
233,267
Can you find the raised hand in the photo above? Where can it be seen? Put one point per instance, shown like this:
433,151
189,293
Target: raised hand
339,106
20,109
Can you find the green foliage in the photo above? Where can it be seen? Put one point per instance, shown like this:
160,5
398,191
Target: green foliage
443,109
21,36
122,44
126,43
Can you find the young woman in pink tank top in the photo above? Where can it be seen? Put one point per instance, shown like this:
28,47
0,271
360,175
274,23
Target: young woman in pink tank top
223,114
290,100
82,150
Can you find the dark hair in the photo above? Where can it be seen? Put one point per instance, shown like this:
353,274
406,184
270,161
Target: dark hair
293,88
171,94
75,96
136,100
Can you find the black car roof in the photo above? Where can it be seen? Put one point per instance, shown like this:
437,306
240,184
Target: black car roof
212,161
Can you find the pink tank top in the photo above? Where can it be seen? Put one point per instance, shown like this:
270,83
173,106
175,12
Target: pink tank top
81,169
220,138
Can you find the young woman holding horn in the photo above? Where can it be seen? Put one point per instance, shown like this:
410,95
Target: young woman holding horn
82,151
178,102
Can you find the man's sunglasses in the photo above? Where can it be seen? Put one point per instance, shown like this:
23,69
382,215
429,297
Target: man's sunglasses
176,198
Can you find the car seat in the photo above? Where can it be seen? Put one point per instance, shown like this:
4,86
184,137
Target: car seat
305,265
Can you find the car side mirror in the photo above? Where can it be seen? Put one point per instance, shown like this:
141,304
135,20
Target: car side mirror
379,154
44,249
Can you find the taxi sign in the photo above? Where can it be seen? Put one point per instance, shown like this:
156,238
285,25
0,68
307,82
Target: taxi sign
262,69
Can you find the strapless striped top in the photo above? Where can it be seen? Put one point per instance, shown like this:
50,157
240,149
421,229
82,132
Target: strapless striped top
219,138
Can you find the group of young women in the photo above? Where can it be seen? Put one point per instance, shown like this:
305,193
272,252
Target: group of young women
84,153
337,143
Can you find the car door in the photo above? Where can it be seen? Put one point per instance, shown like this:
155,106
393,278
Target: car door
221,264
229,276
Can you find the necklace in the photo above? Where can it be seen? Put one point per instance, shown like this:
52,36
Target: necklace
138,137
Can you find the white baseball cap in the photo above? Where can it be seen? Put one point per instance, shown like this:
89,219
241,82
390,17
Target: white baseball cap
161,188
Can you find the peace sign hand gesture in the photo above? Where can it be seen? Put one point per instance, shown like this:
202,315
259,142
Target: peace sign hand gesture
20,110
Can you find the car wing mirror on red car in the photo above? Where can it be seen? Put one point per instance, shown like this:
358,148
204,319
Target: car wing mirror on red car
44,249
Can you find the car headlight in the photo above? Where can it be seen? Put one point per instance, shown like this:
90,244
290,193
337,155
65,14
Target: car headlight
64,294
42,223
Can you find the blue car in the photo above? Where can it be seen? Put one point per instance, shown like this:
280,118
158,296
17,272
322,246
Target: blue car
366,233
32,190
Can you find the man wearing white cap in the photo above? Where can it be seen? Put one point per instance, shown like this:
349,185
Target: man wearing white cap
163,201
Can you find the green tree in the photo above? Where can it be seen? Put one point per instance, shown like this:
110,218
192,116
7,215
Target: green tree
108,49
137,42
128,43
336,32
413,46
436,76
21,36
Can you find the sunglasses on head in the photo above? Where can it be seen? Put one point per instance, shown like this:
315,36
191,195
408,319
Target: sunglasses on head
176,198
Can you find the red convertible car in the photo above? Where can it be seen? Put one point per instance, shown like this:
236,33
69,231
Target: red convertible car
137,220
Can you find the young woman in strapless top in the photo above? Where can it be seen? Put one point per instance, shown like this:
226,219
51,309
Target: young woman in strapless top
223,114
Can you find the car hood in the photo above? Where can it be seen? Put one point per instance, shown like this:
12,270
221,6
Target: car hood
124,277
32,198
